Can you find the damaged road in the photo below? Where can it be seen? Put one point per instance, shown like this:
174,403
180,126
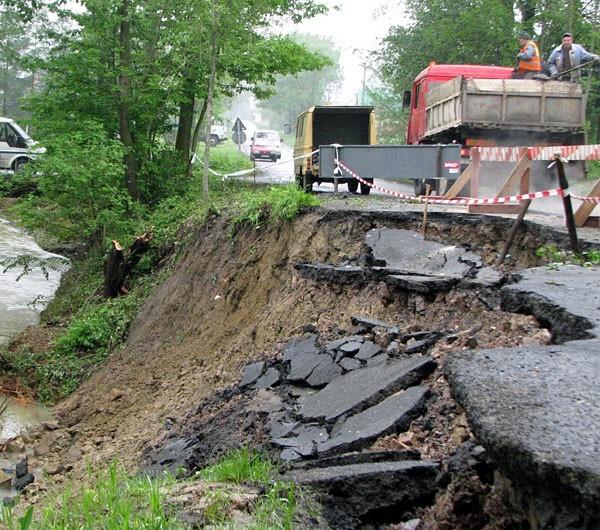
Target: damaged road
330,343
325,405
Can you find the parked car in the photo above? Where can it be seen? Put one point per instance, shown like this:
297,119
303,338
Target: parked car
17,148
218,133
265,145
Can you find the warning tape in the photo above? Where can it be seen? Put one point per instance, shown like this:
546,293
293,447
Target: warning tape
558,192
513,154
594,200
243,172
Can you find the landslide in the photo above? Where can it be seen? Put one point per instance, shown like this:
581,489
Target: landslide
235,298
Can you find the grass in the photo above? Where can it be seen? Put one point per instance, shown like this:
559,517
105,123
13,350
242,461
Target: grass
113,500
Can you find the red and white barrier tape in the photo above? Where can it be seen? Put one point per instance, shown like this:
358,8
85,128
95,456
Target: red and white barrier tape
594,200
513,154
496,200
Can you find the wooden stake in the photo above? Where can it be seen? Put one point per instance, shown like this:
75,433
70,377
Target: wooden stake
513,232
427,192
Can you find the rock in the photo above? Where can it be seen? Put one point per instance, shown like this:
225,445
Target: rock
5,479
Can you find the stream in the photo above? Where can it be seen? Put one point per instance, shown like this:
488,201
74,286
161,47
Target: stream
22,298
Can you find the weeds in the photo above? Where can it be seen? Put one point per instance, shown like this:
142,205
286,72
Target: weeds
277,506
276,203
556,257
240,465
110,501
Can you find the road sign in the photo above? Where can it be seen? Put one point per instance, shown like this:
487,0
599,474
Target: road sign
238,126
238,137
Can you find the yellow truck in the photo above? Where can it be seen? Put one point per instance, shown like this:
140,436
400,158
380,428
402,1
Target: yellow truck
327,125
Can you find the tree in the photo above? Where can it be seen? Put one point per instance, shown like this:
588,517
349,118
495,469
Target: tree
19,43
134,64
293,94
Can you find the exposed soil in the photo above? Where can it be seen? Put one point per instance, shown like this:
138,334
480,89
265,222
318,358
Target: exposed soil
234,299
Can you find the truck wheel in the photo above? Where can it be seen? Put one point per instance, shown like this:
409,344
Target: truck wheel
307,183
352,185
214,140
364,189
421,186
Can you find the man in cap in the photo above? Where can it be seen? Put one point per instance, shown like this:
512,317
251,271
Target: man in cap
568,56
529,62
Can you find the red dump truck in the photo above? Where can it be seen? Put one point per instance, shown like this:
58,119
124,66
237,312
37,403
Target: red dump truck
475,105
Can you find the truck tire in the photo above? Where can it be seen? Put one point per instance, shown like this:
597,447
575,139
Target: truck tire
421,186
364,188
214,140
353,186
307,183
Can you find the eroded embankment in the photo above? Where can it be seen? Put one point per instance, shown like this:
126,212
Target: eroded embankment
234,299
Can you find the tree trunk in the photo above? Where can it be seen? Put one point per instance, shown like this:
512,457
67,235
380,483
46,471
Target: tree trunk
124,98
186,120
209,98
120,263
195,140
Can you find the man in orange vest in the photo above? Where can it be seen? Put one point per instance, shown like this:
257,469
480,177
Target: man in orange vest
529,62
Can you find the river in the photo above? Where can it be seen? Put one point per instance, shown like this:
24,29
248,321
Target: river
22,297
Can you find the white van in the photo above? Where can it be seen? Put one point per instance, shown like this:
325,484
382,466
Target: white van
15,146
265,145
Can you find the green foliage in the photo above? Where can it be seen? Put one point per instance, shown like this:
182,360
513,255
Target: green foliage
238,466
111,500
227,160
281,203
90,336
556,257
277,509
80,189
28,263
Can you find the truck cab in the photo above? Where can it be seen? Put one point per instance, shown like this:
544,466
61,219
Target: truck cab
15,146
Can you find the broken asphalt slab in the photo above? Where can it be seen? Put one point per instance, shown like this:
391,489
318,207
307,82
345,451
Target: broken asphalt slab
362,488
536,412
360,389
393,414
566,299
409,252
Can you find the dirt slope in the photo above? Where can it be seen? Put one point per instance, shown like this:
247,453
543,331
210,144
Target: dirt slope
233,299
229,300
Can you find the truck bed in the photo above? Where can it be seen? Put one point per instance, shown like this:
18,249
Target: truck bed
507,104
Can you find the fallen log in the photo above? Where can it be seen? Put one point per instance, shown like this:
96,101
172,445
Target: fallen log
120,263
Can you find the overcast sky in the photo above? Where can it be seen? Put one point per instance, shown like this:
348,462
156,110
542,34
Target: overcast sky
357,27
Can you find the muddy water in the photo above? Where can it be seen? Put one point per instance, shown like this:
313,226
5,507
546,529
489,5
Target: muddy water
22,299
